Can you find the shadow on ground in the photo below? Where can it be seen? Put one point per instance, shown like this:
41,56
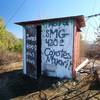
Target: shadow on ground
14,84
95,85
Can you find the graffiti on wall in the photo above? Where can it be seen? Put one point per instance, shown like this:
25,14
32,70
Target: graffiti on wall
30,48
59,57
57,44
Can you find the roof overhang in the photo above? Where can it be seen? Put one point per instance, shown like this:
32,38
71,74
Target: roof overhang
79,19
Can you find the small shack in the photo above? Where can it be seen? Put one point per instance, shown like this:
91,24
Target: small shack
52,46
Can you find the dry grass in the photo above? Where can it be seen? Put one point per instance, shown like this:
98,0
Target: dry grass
10,67
7,57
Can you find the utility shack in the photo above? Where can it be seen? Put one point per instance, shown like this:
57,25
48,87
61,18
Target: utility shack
52,46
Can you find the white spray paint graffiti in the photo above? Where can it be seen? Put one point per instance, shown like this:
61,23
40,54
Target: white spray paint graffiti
57,45
31,48
30,43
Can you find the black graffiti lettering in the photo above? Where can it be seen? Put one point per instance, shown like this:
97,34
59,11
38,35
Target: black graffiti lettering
54,24
60,62
47,33
51,53
55,43
66,64
60,53
62,33
70,64
57,53
55,57
54,60
66,56
61,42
51,32
48,59
56,32
46,51
52,42
49,42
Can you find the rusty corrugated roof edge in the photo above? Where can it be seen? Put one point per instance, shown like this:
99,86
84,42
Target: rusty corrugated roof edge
79,19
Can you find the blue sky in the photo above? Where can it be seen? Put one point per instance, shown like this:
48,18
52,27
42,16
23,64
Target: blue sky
41,9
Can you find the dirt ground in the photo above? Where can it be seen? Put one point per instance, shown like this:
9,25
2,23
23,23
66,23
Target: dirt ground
16,86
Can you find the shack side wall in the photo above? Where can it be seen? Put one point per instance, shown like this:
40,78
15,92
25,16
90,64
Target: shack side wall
76,53
57,48
30,51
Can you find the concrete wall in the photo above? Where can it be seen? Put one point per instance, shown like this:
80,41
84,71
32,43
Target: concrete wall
60,49
57,48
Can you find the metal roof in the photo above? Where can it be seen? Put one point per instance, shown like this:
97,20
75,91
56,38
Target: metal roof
79,19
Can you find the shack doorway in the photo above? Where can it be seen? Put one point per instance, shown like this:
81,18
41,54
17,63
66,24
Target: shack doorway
38,50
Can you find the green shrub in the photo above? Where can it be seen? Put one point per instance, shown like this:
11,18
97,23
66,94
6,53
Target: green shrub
10,46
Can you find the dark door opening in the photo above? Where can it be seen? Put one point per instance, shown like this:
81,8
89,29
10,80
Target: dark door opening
38,50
